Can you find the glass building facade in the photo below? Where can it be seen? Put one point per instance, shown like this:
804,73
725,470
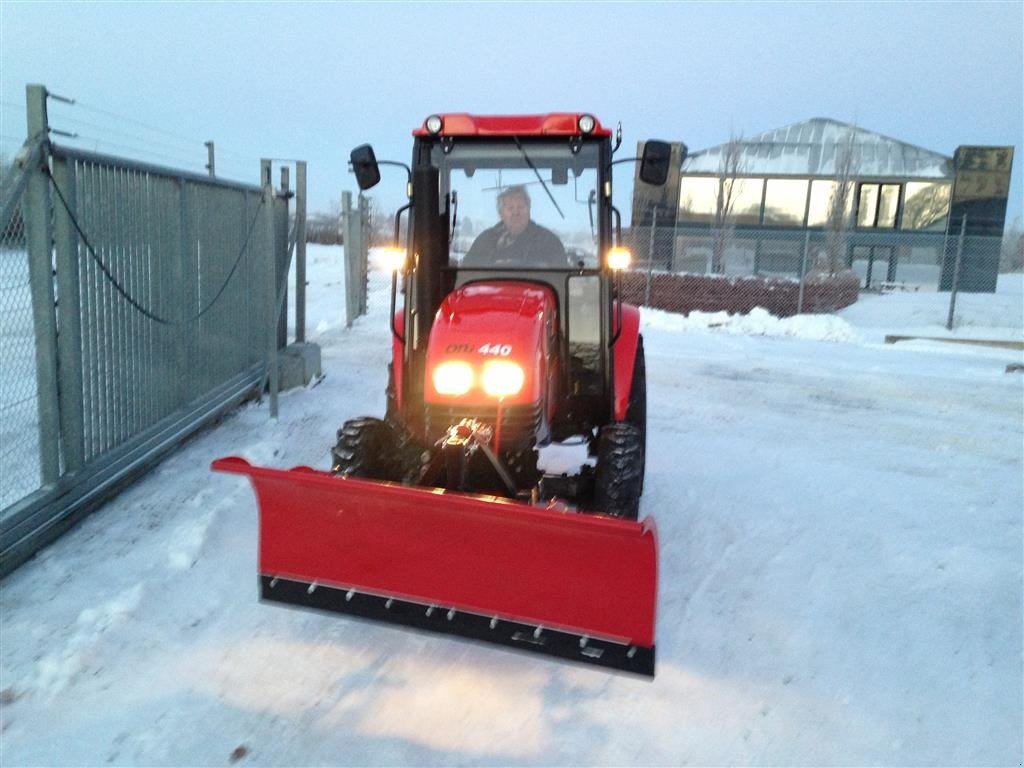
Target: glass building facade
798,194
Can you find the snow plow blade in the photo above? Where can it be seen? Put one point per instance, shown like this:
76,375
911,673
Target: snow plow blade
565,584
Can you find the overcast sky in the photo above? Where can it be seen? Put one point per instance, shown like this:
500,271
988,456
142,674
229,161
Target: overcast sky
310,81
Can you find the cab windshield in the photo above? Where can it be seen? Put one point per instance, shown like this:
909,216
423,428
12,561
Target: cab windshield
521,204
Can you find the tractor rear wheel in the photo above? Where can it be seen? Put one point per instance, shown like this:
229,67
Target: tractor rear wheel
618,479
366,448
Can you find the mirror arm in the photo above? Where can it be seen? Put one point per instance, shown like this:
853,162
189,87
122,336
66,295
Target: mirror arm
408,170
622,160
398,222
394,301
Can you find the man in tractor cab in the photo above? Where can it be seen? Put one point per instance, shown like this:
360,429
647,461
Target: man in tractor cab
516,241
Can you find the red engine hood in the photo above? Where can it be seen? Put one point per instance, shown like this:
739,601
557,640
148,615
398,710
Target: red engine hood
501,320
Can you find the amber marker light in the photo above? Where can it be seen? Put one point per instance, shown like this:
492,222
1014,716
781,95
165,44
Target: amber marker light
618,258
393,258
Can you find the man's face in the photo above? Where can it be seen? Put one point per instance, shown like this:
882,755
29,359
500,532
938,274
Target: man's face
515,213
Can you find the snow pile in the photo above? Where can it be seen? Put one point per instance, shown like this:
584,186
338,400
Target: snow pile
758,322
977,315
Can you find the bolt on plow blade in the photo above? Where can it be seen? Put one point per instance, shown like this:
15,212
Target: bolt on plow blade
570,585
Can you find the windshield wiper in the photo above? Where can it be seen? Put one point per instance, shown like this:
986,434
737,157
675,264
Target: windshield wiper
539,178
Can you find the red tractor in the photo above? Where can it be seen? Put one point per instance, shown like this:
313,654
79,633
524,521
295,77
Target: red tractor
510,346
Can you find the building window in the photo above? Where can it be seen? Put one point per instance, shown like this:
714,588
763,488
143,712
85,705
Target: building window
926,205
697,199
744,199
867,205
785,202
877,204
824,194
888,204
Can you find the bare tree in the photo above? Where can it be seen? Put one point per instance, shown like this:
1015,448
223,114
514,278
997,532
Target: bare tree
841,204
731,165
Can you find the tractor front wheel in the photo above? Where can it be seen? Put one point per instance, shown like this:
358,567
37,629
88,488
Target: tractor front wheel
618,479
366,448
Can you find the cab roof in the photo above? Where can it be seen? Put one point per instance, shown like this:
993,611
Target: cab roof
550,124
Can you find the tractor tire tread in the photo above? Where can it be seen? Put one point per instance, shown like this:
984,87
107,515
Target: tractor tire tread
619,475
365,448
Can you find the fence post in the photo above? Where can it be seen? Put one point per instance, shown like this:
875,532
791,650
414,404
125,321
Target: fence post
351,252
956,273
270,285
39,237
675,237
650,259
300,251
282,267
364,253
69,340
803,272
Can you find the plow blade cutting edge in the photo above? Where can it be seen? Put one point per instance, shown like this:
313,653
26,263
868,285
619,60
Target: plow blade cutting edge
561,583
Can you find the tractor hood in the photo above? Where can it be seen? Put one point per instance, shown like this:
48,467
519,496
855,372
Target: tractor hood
484,332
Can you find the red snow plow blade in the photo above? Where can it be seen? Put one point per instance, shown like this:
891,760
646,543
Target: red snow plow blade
561,583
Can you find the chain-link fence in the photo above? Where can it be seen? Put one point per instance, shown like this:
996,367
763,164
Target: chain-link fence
19,421
685,268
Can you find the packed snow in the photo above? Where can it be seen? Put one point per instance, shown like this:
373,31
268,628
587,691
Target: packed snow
840,527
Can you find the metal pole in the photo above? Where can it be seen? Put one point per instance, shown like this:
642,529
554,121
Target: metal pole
803,272
39,237
270,286
300,251
351,255
69,340
364,253
956,273
209,158
283,260
675,239
650,259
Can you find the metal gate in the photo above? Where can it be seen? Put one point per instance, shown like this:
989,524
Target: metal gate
137,304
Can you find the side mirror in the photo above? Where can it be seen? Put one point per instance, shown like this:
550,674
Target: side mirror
364,165
654,162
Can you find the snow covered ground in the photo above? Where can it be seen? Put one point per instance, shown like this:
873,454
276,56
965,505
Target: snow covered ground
841,576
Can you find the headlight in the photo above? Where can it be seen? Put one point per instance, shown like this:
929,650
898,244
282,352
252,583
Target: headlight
502,378
434,124
618,258
393,258
587,123
453,377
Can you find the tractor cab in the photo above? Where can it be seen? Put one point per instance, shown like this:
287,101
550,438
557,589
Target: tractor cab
510,201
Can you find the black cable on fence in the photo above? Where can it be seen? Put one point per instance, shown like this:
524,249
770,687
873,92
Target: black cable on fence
120,289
